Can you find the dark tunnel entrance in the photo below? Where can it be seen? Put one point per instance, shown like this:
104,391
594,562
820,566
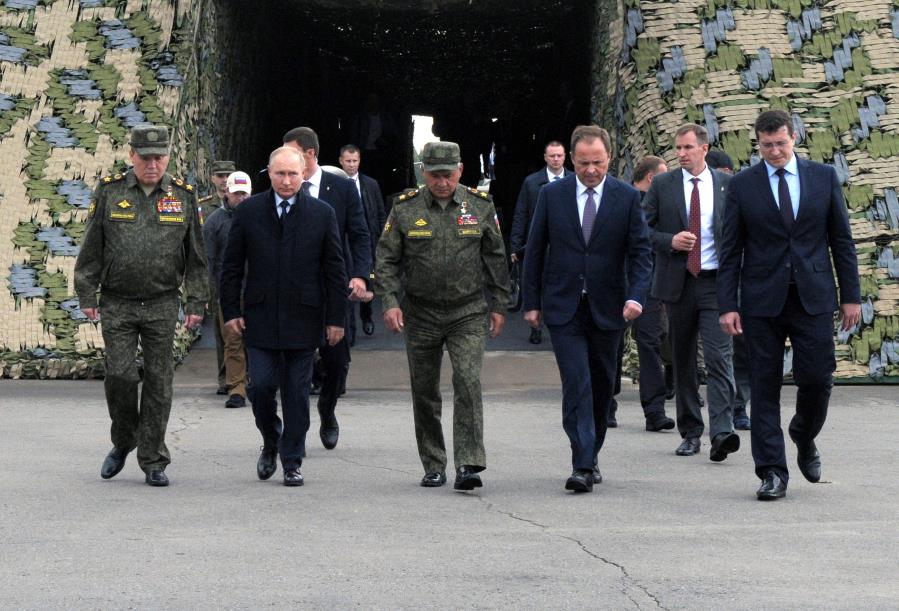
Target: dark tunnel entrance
508,73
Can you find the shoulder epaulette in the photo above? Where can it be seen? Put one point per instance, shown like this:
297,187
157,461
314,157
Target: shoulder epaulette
114,178
408,195
481,194
187,187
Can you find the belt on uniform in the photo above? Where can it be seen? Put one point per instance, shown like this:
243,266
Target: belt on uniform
707,273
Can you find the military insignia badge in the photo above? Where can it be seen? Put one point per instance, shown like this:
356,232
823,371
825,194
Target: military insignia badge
169,210
91,209
387,226
420,223
124,204
467,219
463,208
107,179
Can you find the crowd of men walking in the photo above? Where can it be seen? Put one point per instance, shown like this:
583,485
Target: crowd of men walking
701,265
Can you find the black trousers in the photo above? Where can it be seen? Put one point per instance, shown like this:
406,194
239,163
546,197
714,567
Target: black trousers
648,335
335,364
811,338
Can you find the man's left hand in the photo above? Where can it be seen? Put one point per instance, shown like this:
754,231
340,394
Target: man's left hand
358,289
333,335
192,321
632,310
497,321
850,313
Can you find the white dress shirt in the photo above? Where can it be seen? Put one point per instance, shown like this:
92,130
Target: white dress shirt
792,177
358,184
316,181
551,177
582,197
279,199
709,256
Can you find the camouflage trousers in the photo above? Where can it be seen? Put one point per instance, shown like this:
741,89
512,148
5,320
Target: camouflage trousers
463,332
140,423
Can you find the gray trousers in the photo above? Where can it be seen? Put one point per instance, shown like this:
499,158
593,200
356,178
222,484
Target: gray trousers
692,318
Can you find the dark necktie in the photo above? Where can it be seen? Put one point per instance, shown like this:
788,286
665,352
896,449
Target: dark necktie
783,195
589,215
694,226
285,207
556,177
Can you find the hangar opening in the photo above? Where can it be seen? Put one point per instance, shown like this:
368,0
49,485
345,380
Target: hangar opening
501,78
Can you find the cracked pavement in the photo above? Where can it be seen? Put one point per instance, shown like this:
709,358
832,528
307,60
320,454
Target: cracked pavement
660,532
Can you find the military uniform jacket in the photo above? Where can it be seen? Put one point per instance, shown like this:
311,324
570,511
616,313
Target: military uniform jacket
442,256
139,246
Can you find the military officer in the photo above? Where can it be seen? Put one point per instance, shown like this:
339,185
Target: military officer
442,247
216,200
143,241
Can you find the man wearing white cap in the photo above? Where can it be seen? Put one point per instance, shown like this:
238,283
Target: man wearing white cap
215,235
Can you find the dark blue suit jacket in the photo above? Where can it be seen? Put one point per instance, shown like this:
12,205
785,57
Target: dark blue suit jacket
616,261
343,197
524,208
295,282
758,254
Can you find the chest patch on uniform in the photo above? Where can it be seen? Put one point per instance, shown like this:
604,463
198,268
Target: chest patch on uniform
469,232
420,223
169,210
124,204
466,219
417,234
116,214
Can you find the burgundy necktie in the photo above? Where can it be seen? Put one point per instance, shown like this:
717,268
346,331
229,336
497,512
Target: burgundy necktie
589,216
786,204
694,258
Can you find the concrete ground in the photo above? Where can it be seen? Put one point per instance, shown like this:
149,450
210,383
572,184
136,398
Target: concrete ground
660,532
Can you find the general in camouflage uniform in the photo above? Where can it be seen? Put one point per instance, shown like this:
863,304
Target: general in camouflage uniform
143,241
442,246
207,205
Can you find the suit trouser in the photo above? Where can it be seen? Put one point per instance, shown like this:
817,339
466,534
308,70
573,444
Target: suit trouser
335,365
463,332
586,356
811,338
695,316
741,372
291,371
235,360
647,329
152,322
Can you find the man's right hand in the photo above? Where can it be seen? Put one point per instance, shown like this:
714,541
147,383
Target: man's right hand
236,325
393,319
93,314
683,241
532,317
730,323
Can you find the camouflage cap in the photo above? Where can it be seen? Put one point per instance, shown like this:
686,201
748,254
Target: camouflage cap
440,156
149,139
223,167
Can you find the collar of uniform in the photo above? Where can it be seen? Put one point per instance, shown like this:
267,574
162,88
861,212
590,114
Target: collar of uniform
165,184
457,197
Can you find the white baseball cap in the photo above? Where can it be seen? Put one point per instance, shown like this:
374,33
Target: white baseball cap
239,181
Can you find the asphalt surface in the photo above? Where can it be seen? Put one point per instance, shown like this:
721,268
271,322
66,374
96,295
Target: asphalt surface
660,532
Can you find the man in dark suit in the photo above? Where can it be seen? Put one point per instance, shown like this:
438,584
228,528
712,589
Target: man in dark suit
375,215
684,209
587,269
286,246
344,199
554,156
785,219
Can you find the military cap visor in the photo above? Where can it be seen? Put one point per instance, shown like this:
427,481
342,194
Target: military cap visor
150,140
223,167
440,157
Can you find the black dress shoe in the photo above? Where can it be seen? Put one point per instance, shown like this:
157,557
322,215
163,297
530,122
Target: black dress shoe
612,421
235,400
293,477
329,435
659,422
722,445
597,476
581,480
266,465
809,461
467,478
368,327
772,487
433,479
688,447
157,477
741,420
113,463
536,336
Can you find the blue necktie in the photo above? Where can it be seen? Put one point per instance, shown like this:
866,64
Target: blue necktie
589,215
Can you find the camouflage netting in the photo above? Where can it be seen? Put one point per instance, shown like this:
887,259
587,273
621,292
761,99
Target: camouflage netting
832,65
76,75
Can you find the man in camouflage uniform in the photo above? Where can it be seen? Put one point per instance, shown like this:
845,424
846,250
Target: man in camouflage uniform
143,241
442,246
217,200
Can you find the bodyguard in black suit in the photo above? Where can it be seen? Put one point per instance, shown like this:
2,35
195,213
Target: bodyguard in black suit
351,226
285,246
375,215
684,209
587,269
554,156
784,221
